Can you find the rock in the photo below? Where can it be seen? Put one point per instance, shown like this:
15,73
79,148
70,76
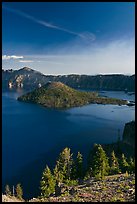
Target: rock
129,134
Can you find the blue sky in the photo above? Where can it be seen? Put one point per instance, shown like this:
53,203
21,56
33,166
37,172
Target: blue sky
63,38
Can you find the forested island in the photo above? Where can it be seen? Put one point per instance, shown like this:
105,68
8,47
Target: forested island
59,95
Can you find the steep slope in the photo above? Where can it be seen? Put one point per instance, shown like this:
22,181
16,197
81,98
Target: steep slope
116,188
25,78
114,82
29,79
126,145
59,95
129,134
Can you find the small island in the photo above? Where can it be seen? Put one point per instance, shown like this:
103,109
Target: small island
61,96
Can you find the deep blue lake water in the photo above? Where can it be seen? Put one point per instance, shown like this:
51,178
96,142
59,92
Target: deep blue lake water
33,136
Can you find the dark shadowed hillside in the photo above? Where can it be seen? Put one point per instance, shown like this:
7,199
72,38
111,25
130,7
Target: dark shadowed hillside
29,79
129,134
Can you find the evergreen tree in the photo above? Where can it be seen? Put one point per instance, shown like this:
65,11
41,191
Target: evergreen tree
64,164
114,165
124,166
19,191
7,190
100,165
73,171
79,165
58,175
131,167
47,184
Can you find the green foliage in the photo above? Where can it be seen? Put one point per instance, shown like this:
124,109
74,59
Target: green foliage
19,191
63,169
59,95
7,190
126,174
71,182
58,174
77,167
100,165
47,184
124,166
131,167
67,171
114,165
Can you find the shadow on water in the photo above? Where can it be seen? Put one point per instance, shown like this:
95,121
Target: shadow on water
31,174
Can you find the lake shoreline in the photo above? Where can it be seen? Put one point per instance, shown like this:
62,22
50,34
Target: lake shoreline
41,129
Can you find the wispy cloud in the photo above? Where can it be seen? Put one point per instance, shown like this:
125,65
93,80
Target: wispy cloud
113,57
88,36
8,57
26,61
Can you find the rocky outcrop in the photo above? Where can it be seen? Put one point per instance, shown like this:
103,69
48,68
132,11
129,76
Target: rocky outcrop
6,198
25,78
129,134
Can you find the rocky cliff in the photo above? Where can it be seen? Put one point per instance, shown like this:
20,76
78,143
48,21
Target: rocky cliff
29,79
129,134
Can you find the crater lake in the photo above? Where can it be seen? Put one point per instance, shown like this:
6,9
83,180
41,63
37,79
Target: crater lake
33,136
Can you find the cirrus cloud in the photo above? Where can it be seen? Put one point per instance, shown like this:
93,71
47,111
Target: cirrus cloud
8,57
86,36
26,61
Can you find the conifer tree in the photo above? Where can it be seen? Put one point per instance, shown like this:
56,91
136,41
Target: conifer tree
131,167
58,175
19,191
64,164
124,166
114,165
100,165
73,171
7,190
47,184
79,165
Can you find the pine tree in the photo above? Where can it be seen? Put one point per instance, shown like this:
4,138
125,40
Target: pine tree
73,171
64,164
114,165
79,166
7,190
58,175
47,184
131,163
100,165
124,166
19,191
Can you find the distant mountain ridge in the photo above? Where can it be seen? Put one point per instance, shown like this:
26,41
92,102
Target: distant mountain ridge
30,79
